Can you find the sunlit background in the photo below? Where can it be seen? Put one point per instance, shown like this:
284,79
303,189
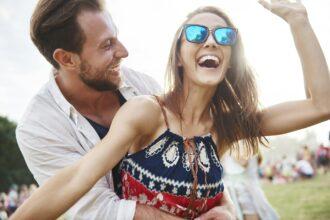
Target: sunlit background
146,27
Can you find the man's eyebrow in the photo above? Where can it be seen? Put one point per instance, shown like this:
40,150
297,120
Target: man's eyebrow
113,36
104,41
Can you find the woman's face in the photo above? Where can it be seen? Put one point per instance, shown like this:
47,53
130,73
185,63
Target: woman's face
204,64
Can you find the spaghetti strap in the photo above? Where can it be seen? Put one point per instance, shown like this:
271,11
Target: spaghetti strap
161,104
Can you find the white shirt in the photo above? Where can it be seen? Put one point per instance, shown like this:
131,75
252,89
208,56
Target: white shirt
305,167
52,135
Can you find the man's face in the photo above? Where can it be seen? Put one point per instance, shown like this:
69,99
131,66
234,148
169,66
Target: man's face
102,51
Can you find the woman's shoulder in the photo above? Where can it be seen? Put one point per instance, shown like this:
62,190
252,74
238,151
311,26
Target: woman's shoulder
147,104
144,110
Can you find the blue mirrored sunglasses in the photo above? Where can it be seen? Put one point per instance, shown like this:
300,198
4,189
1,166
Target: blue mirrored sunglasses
222,35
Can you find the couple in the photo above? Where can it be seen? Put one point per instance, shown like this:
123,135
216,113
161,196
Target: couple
170,144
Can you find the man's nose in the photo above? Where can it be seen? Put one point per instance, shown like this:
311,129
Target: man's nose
121,51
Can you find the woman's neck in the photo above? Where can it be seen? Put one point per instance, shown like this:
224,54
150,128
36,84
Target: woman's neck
195,104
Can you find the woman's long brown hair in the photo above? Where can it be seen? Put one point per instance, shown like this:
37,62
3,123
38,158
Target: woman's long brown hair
234,106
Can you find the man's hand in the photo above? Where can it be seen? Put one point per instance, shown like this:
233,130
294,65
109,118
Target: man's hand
226,212
146,212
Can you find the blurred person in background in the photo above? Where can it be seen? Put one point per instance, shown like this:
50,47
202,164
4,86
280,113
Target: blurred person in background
269,171
323,158
242,180
3,206
286,169
304,169
304,154
23,194
12,199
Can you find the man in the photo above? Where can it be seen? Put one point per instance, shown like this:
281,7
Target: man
74,110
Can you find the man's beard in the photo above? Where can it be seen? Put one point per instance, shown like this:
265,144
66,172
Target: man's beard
97,79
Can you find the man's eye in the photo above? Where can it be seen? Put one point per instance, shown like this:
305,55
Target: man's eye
107,46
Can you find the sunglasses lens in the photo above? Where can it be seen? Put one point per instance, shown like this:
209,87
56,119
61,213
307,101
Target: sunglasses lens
225,36
196,34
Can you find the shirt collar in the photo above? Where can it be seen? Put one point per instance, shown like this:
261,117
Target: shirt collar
125,89
57,94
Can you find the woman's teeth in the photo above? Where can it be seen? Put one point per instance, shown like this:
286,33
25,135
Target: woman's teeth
209,61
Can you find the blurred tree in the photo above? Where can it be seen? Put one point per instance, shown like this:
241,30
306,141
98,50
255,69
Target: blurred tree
12,165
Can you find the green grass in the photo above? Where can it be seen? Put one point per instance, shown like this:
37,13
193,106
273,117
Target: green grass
303,200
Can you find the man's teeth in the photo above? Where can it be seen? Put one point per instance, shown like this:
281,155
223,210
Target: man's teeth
208,57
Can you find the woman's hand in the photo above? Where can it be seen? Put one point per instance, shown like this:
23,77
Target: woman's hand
291,11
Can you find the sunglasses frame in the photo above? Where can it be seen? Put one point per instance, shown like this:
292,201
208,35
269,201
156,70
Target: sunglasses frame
208,33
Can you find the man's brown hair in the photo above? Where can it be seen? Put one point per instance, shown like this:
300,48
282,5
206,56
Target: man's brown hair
54,25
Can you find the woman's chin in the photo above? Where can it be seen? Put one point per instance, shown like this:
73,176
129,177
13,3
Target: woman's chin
208,84
210,81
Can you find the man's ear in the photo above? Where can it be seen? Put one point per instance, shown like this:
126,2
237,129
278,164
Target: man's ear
66,59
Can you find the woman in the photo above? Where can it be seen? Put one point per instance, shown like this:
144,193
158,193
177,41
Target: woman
242,182
211,92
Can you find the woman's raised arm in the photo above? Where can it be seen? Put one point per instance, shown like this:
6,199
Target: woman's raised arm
290,116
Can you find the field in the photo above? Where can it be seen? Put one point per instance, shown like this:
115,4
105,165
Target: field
303,200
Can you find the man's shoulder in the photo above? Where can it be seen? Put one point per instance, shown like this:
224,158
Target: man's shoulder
42,111
143,82
132,74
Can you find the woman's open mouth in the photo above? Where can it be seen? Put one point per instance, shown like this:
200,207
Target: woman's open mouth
209,61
